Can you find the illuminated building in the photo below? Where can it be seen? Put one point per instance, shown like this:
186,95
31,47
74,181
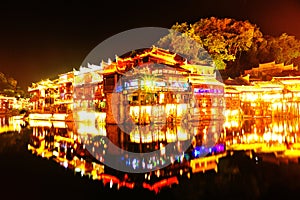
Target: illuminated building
275,103
52,99
157,86
232,102
7,104
279,97
154,86
258,99
43,94
291,95
88,96
87,85
266,71
64,102
11,106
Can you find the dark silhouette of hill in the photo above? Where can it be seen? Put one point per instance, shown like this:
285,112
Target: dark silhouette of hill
9,86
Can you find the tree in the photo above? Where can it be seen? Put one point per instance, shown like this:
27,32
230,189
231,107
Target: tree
226,39
223,39
284,48
183,41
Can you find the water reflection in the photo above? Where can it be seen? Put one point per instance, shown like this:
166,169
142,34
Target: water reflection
263,130
93,153
11,124
91,150
56,140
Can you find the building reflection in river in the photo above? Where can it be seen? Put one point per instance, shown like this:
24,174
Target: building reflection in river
263,130
108,143
85,149
92,152
10,123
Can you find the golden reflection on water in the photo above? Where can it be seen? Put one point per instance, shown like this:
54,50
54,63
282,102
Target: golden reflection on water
10,123
263,130
233,131
83,146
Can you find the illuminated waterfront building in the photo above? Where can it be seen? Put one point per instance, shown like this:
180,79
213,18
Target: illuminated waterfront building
276,98
49,96
266,71
291,95
157,86
43,95
64,102
87,85
88,93
7,104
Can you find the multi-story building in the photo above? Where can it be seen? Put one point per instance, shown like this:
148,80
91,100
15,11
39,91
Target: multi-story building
7,104
88,96
153,86
291,95
266,71
43,95
158,86
279,97
64,102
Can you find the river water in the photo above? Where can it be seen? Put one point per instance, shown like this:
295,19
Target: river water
96,158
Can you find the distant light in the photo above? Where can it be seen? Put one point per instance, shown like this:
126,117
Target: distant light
65,164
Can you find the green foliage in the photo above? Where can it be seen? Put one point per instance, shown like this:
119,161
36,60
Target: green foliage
186,45
223,39
284,48
230,44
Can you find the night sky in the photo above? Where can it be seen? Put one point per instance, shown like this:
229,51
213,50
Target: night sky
40,40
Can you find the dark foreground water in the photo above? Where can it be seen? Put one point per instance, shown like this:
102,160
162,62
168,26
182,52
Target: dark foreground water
26,176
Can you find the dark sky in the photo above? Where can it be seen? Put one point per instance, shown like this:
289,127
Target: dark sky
40,39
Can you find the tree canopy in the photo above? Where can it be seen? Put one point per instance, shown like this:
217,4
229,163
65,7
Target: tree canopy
231,44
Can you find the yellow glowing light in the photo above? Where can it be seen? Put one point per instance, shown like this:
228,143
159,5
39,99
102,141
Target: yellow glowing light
161,98
181,109
59,116
182,134
143,137
206,163
267,136
40,116
39,123
90,128
171,136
